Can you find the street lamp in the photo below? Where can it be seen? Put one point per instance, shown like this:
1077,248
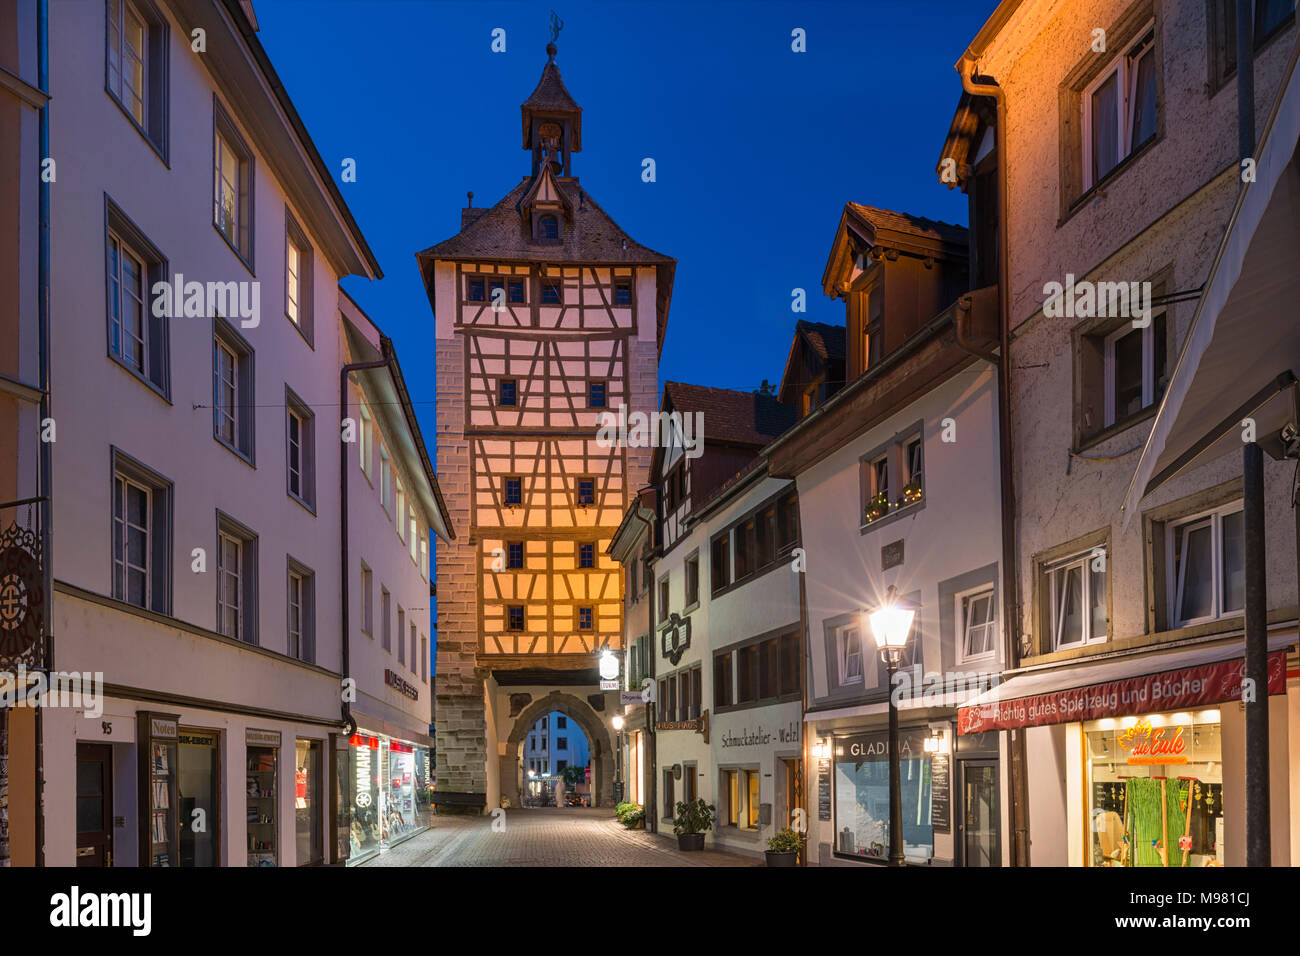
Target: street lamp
891,625
617,721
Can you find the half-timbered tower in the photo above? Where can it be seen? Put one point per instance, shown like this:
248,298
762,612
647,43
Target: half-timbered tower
548,315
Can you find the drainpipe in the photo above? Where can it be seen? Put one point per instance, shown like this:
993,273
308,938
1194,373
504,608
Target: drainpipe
349,723
1019,806
46,486
1258,837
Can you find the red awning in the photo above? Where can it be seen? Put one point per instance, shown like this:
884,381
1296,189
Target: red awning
1179,689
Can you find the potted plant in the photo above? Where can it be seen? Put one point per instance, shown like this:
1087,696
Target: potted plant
690,822
783,847
877,507
634,819
912,492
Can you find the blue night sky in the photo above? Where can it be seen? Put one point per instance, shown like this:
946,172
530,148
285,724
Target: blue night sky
757,147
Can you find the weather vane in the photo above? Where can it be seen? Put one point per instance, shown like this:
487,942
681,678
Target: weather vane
556,26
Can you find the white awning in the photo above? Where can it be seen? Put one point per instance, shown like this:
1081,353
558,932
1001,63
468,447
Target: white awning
1242,355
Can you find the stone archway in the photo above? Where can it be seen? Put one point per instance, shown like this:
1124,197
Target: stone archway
578,710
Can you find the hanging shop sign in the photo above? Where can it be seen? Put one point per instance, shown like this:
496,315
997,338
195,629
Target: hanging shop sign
394,680
676,638
1188,687
700,726
22,598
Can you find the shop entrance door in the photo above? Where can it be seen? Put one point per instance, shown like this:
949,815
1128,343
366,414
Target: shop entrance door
979,839
94,805
197,797
794,800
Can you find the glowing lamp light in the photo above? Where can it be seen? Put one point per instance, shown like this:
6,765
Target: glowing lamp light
608,666
617,721
821,750
892,624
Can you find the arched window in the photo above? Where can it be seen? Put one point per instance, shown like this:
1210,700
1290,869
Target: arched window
548,229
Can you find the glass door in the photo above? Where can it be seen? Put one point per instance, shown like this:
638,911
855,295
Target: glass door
979,837
197,797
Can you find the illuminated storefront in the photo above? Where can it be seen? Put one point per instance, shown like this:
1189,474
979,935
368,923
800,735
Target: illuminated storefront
389,794
861,795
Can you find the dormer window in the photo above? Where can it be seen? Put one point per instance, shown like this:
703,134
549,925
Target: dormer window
548,229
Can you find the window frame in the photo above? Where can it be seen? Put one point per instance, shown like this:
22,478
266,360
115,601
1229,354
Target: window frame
691,568
523,618
513,383
1176,578
1082,560
523,555
154,268
296,238
307,611
592,386
244,445
296,408
1120,67
579,498
842,656
962,600
1150,398
155,72
228,528
226,133
505,491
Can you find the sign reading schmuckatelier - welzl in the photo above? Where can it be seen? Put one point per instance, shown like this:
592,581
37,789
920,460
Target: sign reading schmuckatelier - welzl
393,680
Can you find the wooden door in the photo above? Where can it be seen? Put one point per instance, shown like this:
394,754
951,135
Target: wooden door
94,805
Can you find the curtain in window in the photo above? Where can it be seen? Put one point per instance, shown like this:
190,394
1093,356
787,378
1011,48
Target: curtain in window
1143,98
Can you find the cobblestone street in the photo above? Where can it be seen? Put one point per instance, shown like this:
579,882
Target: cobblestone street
546,837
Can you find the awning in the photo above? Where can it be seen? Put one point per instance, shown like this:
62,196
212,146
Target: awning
1242,354
1173,680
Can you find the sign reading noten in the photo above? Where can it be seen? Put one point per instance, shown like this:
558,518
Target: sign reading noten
1170,690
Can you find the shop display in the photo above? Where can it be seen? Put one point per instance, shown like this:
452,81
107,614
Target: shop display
306,802
1155,789
260,786
862,796
365,831
399,803
159,833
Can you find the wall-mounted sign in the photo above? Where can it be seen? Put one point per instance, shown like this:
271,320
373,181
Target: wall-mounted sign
823,789
676,638
262,738
789,734
891,555
1183,689
700,726
1154,745
940,793
395,681
159,727
631,698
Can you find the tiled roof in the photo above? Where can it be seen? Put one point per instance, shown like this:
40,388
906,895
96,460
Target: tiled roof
551,93
498,233
830,341
904,222
732,416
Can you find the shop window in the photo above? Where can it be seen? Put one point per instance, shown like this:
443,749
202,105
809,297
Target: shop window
752,804
142,535
1077,600
364,795
308,812
978,623
236,580
861,796
1207,566
1155,790
263,818
731,793
399,816
693,579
